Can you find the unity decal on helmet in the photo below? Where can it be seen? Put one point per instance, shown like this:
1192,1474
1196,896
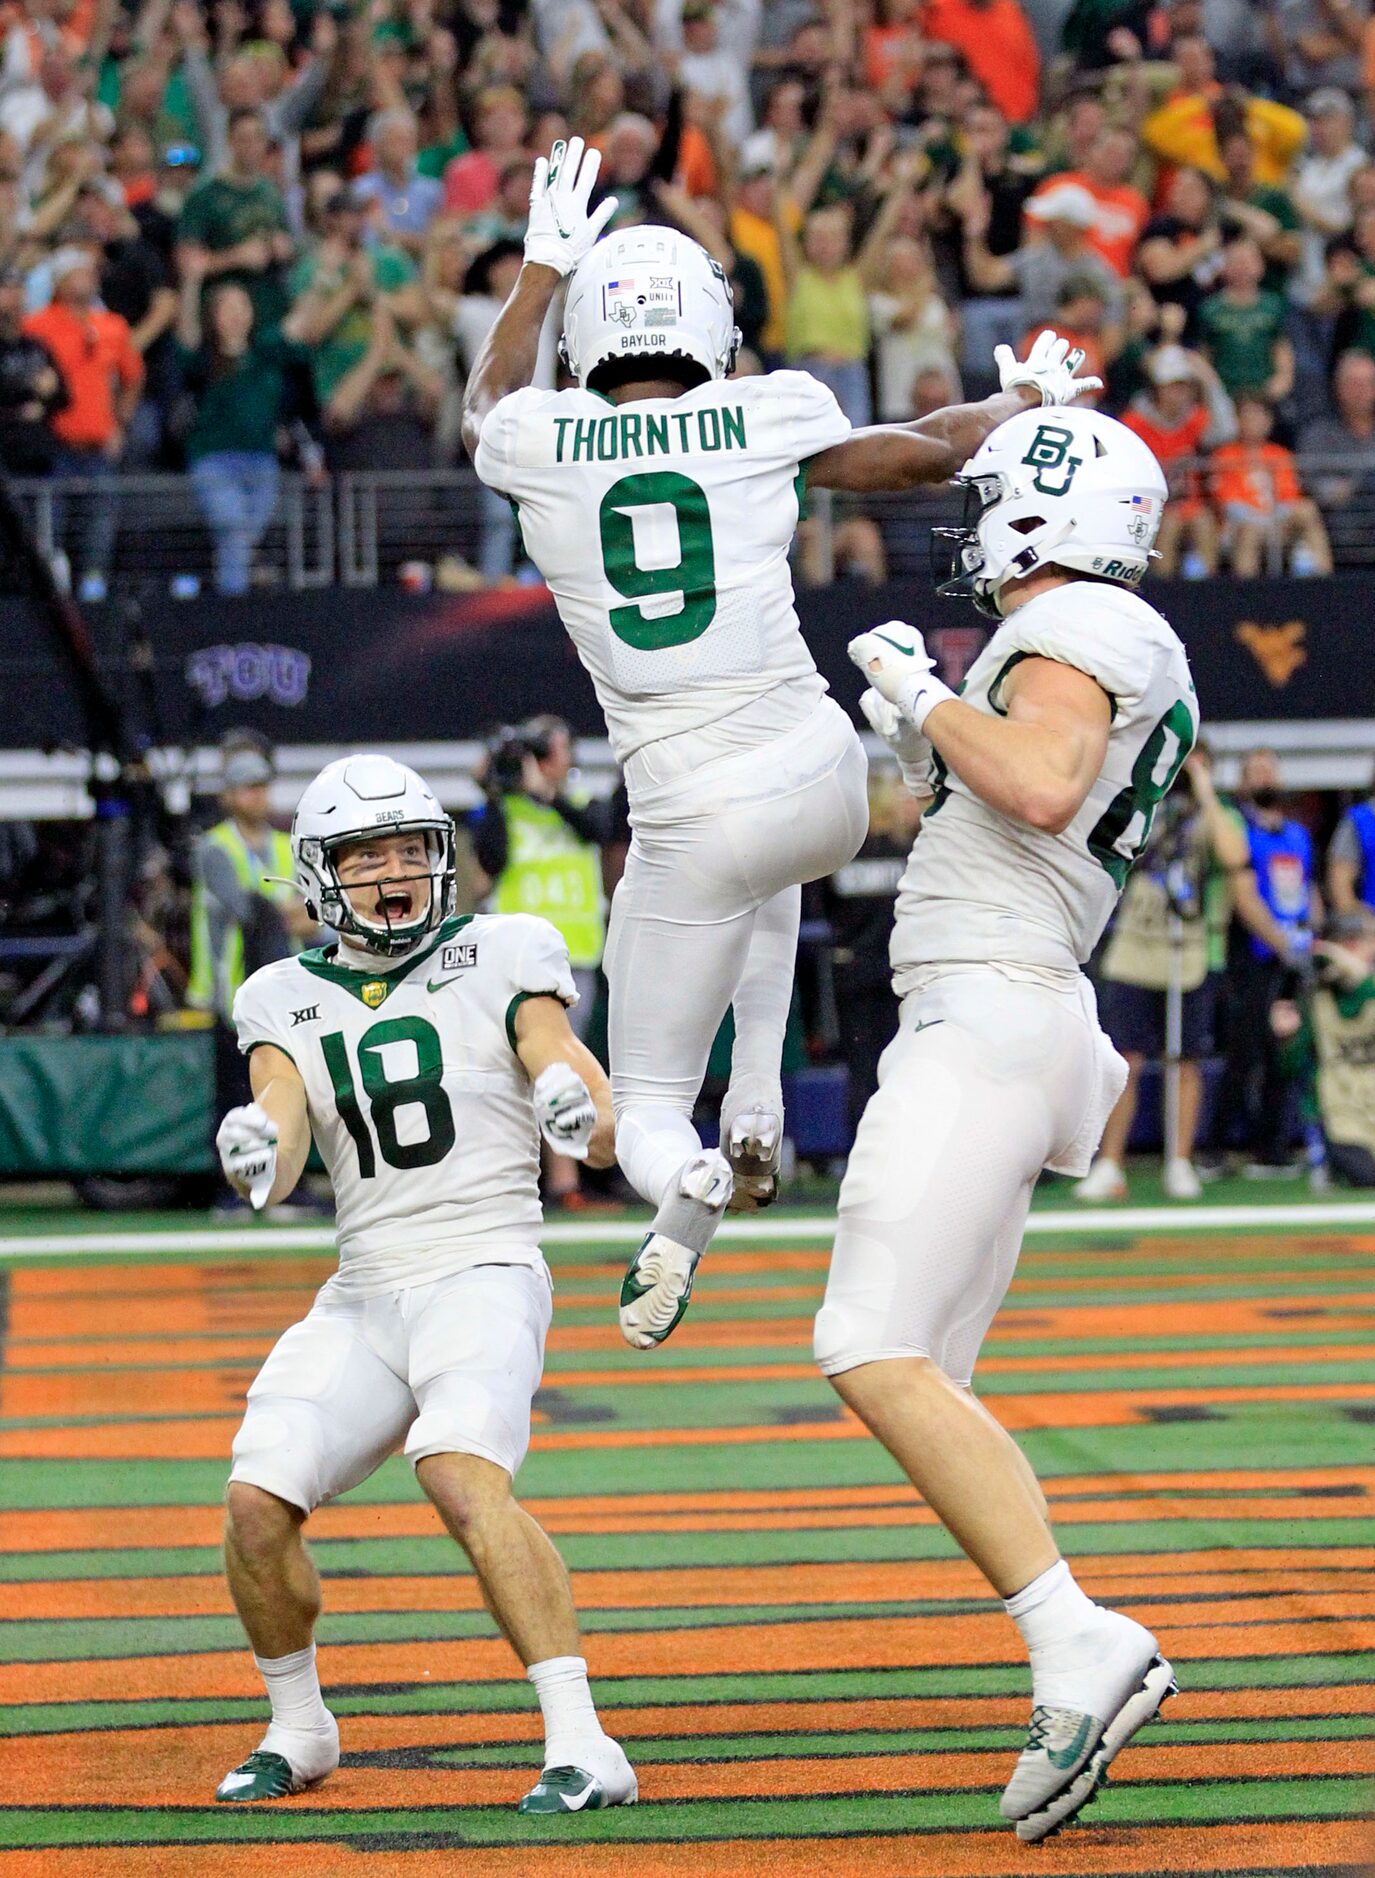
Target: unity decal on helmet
1050,452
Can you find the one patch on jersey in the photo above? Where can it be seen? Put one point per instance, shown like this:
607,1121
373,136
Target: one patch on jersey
373,992
453,958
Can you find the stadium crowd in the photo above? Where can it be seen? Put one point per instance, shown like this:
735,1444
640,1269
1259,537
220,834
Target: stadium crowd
260,232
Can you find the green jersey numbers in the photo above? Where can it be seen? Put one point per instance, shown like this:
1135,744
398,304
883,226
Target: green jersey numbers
1123,829
640,518
401,1067
1049,457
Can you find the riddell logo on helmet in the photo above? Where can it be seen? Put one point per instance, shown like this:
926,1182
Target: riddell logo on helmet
1114,570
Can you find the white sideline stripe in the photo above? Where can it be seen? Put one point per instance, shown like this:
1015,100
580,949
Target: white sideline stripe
138,1243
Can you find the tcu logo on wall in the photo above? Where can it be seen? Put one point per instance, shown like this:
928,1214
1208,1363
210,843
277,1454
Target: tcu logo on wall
248,672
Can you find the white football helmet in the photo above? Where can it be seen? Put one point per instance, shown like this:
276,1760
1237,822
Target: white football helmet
370,795
1069,488
648,294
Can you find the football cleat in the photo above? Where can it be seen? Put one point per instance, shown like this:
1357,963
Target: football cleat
656,1290
569,1789
754,1149
1068,1753
263,1776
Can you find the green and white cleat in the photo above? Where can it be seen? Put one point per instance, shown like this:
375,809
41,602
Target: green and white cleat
263,1776
268,1774
1066,1759
656,1291
568,1789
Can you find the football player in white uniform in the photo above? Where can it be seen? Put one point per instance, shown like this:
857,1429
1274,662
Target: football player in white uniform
427,1054
1044,774
659,501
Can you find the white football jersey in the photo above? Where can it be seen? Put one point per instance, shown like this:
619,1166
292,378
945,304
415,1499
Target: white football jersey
980,886
662,529
419,1105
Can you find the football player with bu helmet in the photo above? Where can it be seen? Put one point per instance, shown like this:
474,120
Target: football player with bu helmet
659,498
426,1053
1040,781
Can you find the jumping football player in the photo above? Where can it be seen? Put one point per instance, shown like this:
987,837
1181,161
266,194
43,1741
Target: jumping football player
427,1054
659,502
1043,777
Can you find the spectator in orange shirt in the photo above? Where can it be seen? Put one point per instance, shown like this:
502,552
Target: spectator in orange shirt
1185,410
1256,488
104,375
999,48
1122,209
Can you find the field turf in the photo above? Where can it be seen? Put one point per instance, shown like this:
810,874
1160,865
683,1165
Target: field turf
809,1678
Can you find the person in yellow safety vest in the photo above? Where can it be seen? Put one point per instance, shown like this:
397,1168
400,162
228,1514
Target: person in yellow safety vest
539,844
244,912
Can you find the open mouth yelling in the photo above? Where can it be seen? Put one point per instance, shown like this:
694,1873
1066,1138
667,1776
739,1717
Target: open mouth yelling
398,902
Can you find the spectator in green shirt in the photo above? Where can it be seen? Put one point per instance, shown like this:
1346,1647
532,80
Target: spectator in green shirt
234,227
1261,210
1242,326
338,284
236,372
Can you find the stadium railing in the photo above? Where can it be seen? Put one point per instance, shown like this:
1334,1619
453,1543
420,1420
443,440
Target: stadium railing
368,528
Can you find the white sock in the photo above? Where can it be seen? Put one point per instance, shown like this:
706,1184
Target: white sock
293,1688
1083,1656
654,1143
1051,1609
570,1714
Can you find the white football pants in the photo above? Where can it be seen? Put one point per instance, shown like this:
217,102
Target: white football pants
706,916
989,1079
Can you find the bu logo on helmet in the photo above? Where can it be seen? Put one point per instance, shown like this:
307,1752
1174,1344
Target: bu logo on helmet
1049,452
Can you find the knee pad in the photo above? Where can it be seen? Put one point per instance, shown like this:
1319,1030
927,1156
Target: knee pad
468,1420
277,1451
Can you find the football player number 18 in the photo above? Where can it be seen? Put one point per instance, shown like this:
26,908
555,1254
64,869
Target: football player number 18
1123,829
387,1095
693,574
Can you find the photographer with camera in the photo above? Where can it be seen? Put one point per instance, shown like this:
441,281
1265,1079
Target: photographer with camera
1328,1034
1169,937
539,844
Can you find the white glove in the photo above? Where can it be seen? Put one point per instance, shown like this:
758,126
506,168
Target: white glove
1049,367
561,231
247,1141
916,758
565,1110
894,659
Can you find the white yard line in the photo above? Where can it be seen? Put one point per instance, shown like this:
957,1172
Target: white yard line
139,1241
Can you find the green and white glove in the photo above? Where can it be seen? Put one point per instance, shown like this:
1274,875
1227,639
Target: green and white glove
247,1143
565,1111
916,758
894,659
1049,368
561,231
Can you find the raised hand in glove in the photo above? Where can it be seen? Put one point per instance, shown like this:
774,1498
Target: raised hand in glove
1048,368
562,230
894,659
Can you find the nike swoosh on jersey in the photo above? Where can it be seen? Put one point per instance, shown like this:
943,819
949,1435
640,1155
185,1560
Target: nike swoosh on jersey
438,984
930,1024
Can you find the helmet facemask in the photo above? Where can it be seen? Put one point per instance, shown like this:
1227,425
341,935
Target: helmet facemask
395,919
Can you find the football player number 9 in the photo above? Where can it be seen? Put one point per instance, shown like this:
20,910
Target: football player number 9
693,575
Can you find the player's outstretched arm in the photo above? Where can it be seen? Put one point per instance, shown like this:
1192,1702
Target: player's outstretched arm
263,1146
572,1094
1036,763
562,229
935,448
